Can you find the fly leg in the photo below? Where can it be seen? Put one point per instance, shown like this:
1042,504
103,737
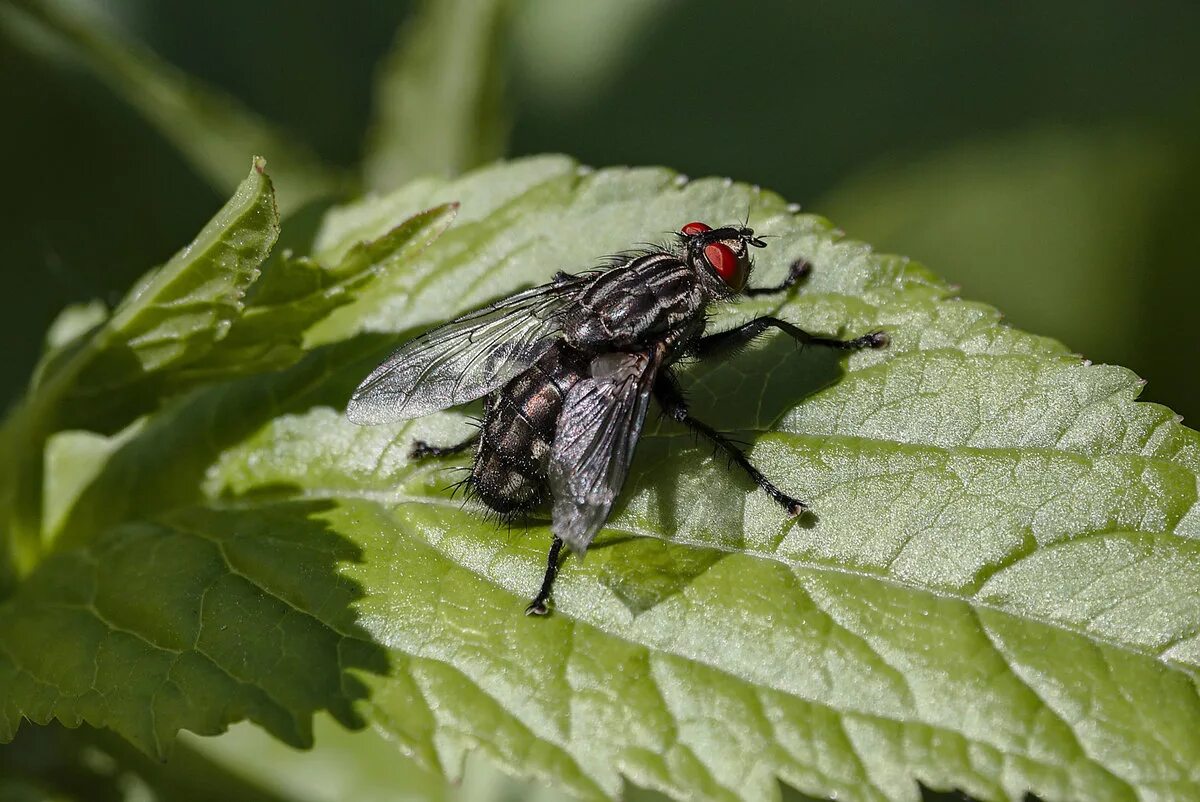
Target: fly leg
670,397
538,605
743,334
421,450
798,272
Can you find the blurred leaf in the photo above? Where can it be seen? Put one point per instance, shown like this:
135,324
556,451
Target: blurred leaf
1057,226
361,765
95,766
52,763
1000,594
211,130
74,322
568,53
440,95
73,460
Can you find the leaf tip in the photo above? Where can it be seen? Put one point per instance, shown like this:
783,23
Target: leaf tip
259,165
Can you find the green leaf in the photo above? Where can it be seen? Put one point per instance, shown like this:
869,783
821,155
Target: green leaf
439,98
203,317
173,317
102,371
210,129
1000,591
74,322
296,293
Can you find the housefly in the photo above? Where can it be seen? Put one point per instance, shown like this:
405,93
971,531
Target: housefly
566,371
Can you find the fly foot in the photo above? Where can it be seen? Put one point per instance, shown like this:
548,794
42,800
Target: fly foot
795,507
876,339
538,606
421,450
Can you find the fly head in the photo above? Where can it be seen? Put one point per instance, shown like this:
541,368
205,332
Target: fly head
721,255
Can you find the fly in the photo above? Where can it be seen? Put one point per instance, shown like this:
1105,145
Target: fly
566,371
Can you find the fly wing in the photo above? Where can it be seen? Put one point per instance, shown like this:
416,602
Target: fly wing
464,359
598,430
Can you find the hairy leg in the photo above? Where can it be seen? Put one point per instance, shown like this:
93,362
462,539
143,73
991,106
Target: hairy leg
669,396
421,450
798,272
743,334
539,604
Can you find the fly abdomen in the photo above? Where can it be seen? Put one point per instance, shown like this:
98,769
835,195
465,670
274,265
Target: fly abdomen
505,488
519,424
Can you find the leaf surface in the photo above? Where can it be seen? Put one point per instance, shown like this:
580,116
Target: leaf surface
1000,591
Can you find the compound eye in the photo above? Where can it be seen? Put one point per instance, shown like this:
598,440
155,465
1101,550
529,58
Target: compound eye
723,260
692,229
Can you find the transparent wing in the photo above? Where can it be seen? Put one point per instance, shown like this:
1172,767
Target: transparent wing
598,430
464,359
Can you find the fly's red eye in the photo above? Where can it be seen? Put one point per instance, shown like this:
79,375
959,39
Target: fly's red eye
692,229
721,257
